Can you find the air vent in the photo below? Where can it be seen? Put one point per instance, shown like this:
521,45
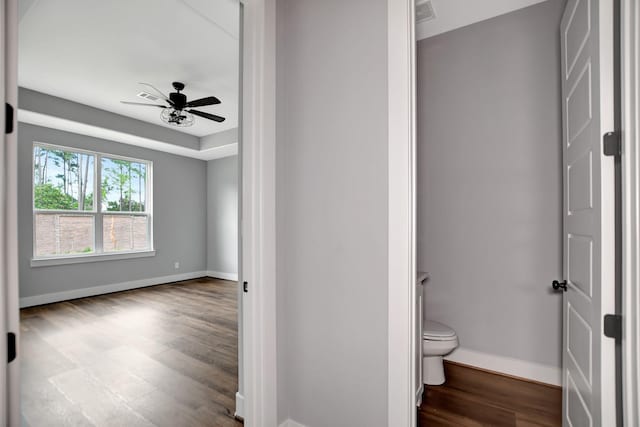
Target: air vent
148,96
425,11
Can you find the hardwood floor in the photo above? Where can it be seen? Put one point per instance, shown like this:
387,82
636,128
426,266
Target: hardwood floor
474,398
167,356
159,356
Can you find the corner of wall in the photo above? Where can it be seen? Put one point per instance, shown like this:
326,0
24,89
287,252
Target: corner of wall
222,275
290,423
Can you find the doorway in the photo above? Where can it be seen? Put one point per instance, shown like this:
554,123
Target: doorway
578,338
130,222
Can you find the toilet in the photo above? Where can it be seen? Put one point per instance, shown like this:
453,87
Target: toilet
438,340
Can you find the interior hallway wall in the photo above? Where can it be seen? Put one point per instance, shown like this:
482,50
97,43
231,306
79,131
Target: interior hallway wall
490,182
331,212
222,216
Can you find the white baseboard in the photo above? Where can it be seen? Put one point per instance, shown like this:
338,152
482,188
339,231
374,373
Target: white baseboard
239,406
106,289
224,276
291,423
507,365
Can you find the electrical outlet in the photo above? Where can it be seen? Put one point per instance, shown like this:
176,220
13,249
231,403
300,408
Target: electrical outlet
176,265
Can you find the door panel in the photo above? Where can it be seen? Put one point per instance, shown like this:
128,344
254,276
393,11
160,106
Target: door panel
577,33
579,343
580,176
579,263
587,87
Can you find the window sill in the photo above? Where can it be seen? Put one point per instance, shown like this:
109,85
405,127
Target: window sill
79,259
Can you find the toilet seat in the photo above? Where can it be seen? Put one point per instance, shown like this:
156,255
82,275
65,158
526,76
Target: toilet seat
435,331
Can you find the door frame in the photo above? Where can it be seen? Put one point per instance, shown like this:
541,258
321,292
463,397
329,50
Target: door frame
401,51
258,224
4,305
630,79
9,168
258,221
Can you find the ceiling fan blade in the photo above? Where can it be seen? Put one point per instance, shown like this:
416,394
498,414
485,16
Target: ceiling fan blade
143,103
157,91
207,115
209,100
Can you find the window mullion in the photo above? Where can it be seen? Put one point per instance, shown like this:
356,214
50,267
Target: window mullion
98,205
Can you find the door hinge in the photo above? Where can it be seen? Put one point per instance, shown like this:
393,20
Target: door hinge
245,286
613,326
11,347
8,118
612,144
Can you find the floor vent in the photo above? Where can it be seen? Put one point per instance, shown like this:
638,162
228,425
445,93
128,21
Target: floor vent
425,11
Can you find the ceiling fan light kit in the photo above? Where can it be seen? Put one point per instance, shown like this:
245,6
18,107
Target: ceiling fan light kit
175,117
178,110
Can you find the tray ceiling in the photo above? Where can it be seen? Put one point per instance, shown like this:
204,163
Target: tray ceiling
95,52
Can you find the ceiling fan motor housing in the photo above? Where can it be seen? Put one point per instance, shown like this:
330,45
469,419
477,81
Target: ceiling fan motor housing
178,99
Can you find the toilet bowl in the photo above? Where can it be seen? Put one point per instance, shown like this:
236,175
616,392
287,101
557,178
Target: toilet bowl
438,340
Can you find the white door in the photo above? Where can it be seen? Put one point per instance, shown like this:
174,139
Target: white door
587,94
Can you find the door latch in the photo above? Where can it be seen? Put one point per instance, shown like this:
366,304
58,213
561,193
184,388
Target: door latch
245,286
557,286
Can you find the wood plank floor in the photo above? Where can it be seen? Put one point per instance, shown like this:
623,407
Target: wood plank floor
473,398
159,356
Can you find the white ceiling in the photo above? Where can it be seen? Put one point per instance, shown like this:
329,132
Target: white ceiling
95,52
452,14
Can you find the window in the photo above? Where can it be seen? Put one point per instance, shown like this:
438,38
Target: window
70,221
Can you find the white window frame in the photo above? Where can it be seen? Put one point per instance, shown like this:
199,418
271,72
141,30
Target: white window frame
97,213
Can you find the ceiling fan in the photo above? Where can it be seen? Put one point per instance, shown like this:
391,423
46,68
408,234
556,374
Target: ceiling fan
179,111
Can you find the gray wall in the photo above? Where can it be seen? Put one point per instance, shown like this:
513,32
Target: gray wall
39,102
222,215
332,212
490,183
179,197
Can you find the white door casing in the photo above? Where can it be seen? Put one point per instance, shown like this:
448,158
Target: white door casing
402,313
631,210
258,213
239,411
3,258
9,224
588,213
